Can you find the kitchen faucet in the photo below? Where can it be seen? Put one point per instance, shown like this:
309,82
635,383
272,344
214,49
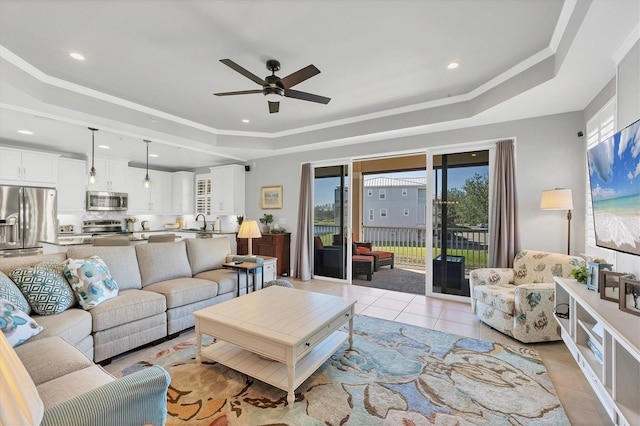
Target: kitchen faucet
204,227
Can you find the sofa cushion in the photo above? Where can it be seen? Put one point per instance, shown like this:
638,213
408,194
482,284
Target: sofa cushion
91,281
50,358
73,384
122,262
530,266
48,293
183,291
8,264
496,296
207,253
9,291
16,326
127,307
72,325
226,279
162,262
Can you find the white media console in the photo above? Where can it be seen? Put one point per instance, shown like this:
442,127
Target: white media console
595,325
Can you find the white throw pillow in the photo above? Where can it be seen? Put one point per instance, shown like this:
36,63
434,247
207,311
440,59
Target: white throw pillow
91,281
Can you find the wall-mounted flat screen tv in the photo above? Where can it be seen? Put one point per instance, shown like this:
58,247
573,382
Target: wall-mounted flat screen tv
614,175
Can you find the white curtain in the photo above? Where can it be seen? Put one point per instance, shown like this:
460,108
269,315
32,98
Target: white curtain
504,236
302,264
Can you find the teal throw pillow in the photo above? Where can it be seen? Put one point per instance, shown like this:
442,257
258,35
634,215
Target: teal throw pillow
9,291
15,324
46,292
91,281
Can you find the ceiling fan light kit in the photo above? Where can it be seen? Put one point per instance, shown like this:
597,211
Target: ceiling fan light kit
275,88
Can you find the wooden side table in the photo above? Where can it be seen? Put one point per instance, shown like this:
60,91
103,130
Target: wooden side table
247,267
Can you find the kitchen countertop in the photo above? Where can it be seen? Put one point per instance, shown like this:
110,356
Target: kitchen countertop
86,239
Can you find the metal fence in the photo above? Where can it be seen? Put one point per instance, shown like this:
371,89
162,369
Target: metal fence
409,243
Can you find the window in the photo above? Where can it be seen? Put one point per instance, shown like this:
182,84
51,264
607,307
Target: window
382,194
405,191
371,215
203,194
599,127
369,192
383,212
406,212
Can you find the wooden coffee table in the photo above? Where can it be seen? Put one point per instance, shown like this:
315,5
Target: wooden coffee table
277,335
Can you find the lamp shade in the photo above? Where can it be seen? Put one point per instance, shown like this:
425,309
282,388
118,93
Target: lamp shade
556,199
249,229
19,399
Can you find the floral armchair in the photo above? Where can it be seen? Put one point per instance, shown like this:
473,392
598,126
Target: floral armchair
519,301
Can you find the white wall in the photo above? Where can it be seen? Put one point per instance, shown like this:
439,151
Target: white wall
549,154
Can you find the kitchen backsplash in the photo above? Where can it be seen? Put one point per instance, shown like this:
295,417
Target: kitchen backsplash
155,221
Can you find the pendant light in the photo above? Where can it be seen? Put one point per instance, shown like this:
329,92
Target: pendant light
92,172
147,180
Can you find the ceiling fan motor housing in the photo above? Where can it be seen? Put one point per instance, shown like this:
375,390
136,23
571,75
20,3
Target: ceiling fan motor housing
274,86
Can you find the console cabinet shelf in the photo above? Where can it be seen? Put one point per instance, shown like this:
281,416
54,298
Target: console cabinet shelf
274,245
605,343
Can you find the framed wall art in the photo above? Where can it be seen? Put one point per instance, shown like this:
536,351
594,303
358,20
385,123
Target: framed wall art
610,285
630,295
271,197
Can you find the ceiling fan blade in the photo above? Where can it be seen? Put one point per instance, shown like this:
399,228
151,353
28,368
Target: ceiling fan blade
299,76
241,92
251,76
306,96
274,107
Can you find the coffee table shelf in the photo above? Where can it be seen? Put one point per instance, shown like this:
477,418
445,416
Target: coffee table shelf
273,372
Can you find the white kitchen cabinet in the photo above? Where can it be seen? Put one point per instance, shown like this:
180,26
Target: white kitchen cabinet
72,185
183,192
156,199
19,167
227,190
111,175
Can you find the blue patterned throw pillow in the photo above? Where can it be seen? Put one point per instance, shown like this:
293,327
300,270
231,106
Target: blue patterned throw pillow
46,292
91,280
15,324
9,291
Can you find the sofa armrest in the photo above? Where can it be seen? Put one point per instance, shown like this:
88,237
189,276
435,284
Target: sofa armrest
488,276
137,399
534,296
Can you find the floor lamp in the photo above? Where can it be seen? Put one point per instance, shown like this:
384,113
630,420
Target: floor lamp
249,230
559,199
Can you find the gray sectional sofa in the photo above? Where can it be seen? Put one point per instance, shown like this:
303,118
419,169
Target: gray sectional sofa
160,286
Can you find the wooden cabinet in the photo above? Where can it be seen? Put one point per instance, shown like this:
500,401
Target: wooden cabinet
71,185
19,167
605,343
274,245
111,175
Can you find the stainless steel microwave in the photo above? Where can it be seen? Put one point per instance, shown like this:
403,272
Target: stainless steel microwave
110,201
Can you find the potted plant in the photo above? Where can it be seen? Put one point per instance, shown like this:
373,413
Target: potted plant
266,220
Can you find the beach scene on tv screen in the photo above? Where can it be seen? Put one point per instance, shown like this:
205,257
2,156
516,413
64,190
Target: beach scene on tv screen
614,174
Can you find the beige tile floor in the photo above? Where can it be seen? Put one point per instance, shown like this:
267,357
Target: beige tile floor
577,397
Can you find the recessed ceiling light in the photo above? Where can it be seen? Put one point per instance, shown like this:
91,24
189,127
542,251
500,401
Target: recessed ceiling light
453,65
245,120
104,146
77,56
25,132
153,155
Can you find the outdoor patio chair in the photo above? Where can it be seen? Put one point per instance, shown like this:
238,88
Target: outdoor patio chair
381,258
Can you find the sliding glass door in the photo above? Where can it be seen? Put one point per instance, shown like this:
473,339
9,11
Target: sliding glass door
460,219
331,221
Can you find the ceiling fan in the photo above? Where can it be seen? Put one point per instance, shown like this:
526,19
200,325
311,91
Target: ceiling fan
274,87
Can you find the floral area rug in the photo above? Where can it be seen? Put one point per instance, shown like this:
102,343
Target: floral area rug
396,374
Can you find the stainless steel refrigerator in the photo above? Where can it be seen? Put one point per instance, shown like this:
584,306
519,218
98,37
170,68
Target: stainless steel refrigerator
28,215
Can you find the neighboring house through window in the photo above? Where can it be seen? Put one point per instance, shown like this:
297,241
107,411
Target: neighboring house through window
383,212
371,215
382,194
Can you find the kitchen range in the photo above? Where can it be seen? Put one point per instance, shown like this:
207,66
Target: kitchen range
92,229
28,215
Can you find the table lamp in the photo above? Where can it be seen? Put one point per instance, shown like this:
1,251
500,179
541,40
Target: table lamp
249,229
559,199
